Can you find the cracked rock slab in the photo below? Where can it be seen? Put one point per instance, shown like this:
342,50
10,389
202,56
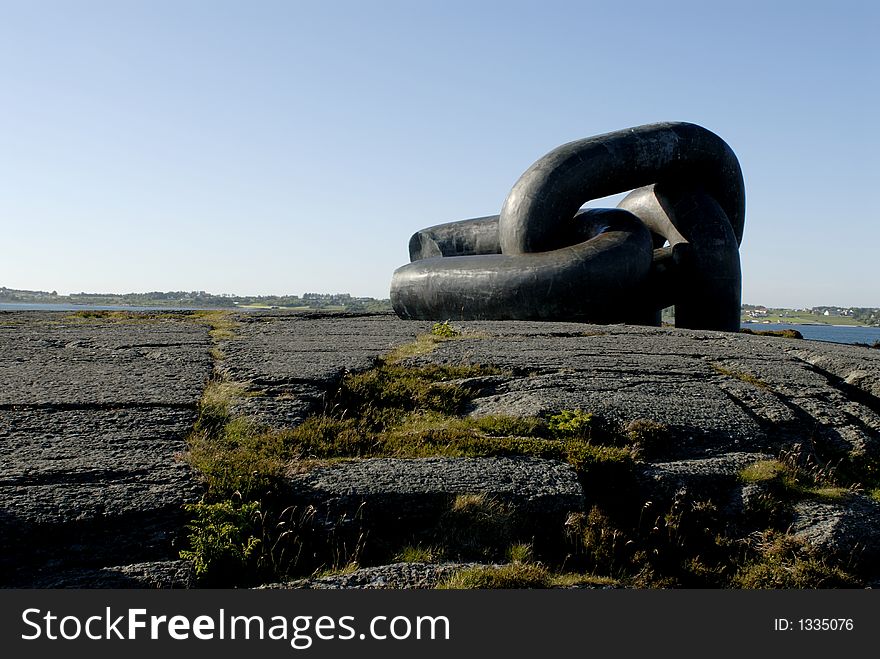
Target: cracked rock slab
92,416
297,359
155,574
717,392
50,360
273,351
708,475
409,489
856,366
849,531
393,576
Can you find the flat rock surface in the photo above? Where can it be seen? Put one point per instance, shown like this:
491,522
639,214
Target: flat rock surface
728,400
718,392
531,485
275,350
92,414
707,473
153,574
849,530
395,575
298,359
57,359
392,576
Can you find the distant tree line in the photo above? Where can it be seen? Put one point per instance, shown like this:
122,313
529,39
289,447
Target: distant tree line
862,315
329,301
337,301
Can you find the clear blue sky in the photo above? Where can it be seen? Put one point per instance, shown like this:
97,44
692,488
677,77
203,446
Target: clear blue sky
284,147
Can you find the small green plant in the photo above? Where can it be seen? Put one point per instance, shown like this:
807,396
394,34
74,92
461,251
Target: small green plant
577,580
348,568
239,459
224,541
127,317
782,482
768,510
107,315
511,426
571,423
829,493
426,343
521,574
444,330
521,552
589,459
423,344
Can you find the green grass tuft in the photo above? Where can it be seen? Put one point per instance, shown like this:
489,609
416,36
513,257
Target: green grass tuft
648,438
222,325
418,554
522,575
516,575
475,527
576,580
784,562
511,426
790,481
393,387
764,471
605,547
742,376
424,344
521,552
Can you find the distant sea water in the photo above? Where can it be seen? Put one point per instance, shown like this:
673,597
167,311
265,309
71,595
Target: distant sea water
829,333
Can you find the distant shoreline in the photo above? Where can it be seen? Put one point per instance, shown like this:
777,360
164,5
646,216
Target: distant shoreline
75,306
761,322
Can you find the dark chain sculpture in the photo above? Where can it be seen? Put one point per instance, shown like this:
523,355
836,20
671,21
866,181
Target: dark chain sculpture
674,240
